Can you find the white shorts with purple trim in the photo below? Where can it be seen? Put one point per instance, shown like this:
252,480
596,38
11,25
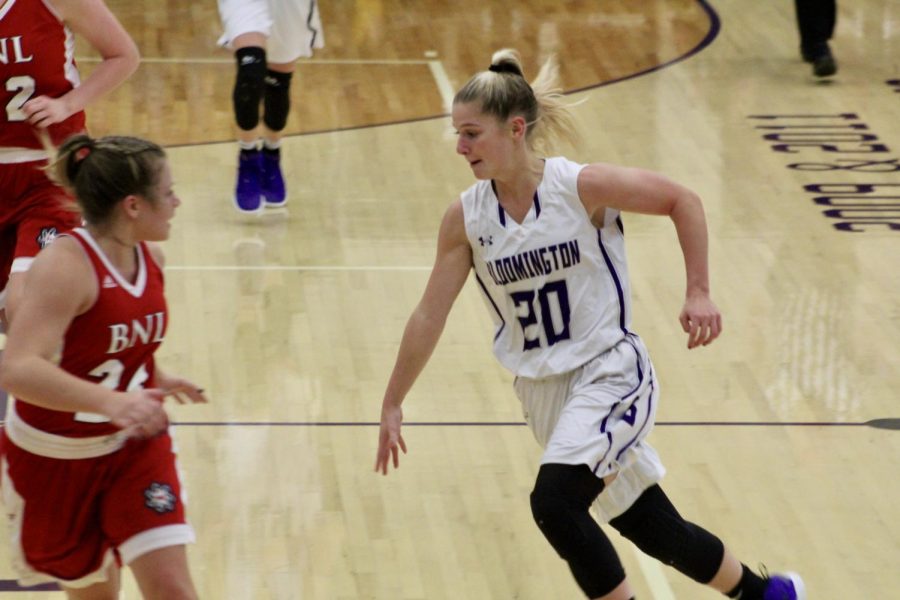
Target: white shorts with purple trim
293,28
599,415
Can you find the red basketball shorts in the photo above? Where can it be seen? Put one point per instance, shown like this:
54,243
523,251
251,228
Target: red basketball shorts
71,518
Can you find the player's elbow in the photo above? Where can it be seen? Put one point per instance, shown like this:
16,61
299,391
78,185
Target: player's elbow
685,202
10,373
126,57
131,57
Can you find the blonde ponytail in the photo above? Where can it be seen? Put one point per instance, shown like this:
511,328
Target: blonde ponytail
503,91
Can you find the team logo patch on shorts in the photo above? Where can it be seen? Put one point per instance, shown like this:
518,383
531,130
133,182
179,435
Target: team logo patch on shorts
160,498
47,235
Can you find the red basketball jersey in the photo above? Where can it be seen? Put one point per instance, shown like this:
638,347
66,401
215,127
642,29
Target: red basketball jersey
36,59
111,344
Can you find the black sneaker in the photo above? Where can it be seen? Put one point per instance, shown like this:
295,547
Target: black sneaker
820,57
807,55
824,65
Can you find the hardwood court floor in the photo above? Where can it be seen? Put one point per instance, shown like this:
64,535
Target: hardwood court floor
291,320
379,59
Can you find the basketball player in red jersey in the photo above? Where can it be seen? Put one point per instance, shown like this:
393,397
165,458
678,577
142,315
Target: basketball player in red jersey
89,476
40,91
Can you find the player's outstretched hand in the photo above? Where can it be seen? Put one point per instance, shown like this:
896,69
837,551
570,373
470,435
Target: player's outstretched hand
187,393
701,320
184,391
390,442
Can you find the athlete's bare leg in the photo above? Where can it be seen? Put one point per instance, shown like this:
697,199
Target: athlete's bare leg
163,574
622,592
106,590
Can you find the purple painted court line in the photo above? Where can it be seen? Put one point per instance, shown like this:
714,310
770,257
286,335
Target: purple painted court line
883,423
10,585
715,26
512,423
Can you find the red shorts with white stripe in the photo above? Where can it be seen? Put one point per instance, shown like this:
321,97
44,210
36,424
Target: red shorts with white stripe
72,518
33,211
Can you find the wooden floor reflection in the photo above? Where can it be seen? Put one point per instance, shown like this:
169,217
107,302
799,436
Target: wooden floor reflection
291,320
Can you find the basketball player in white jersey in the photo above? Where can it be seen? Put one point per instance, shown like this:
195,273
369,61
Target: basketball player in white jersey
267,36
545,239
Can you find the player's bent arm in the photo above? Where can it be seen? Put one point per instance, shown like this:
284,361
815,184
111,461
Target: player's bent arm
451,267
92,20
637,190
59,285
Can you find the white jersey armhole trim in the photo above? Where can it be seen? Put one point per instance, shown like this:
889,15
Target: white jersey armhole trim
16,155
7,7
574,190
21,264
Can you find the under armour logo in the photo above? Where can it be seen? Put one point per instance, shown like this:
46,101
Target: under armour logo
489,241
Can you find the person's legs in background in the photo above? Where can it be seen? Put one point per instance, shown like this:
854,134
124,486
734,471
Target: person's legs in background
249,90
815,21
276,106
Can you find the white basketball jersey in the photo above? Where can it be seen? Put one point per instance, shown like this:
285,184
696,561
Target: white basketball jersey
556,286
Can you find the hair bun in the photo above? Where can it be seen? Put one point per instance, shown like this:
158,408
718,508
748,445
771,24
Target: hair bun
506,67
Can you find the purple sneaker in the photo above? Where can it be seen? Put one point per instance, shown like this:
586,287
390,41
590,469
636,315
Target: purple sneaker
247,193
271,180
788,586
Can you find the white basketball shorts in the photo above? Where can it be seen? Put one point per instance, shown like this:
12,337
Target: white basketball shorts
293,28
598,415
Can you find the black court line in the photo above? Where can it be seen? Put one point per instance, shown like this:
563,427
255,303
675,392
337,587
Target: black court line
883,423
10,585
887,423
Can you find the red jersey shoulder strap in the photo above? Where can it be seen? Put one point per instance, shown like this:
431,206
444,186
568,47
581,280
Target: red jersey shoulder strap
107,271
